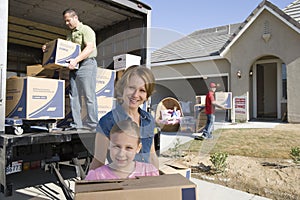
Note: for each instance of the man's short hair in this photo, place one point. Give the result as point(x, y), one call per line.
point(70, 11)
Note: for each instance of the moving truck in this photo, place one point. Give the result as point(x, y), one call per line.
point(121, 27)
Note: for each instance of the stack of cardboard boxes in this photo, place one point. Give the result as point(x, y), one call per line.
point(41, 95)
point(44, 93)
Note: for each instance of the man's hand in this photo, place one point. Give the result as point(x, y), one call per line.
point(44, 47)
point(72, 64)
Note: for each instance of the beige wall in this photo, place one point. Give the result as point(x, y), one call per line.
point(181, 72)
point(202, 68)
point(293, 93)
point(284, 44)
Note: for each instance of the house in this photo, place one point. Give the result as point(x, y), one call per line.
point(258, 58)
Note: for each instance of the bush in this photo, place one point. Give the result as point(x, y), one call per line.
point(219, 161)
point(295, 154)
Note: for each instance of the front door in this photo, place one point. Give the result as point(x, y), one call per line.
point(267, 89)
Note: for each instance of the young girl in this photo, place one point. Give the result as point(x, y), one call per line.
point(124, 144)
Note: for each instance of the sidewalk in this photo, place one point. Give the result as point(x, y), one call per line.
point(207, 190)
point(211, 191)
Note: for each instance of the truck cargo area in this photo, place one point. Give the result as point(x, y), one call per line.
point(121, 28)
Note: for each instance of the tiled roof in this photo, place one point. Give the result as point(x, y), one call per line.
point(213, 41)
point(293, 10)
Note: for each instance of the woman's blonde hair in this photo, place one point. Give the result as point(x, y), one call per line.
point(136, 70)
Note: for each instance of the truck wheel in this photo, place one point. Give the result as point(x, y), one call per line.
point(18, 130)
point(50, 127)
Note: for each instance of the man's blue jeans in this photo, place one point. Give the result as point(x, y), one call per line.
point(209, 125)
point(83, 84)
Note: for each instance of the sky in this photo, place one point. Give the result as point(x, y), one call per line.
point(173, 19)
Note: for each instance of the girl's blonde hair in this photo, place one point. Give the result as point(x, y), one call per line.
point(127, 126)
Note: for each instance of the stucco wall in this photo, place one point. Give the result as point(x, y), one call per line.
point(175, 78)
point(200, 68)
point(293, 92)
point(283, 43)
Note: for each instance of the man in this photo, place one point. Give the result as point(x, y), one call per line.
point(83, 79)
point(210, 104)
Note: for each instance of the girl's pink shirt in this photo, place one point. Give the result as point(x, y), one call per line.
point(104, 172)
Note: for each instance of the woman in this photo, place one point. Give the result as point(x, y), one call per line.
point(131, 91)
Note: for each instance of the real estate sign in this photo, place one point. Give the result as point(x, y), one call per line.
point(240, 108)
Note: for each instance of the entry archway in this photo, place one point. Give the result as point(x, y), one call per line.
point(268, 86)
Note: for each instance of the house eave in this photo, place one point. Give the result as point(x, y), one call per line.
point(186, 60)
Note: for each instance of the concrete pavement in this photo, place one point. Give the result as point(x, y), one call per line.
point(211, 191)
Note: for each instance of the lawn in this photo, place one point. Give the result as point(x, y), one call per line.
point(261, 143)
point(258, 162)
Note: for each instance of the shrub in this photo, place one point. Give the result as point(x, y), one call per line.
point(218, 160)
point(295, 154)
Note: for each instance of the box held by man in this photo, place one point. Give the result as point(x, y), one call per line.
point(58, 53)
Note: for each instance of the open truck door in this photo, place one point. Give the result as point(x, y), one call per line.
point(3, 56)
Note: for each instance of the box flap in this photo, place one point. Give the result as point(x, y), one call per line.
point(97, 186)
point(172, 163)
point(176, 165)
point(167, 180)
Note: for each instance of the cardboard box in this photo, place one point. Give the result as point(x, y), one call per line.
point(119, 74)
point(224, 99)
point(188, 124)
point(105, 82)
point(105, 104)
point(163, 187)
point(39, 71)
point(173, 167)
point(35, 98)
point(58, 52)
point(124, 61)
point(200, 99)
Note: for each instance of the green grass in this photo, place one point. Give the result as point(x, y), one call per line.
point(262, 143)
